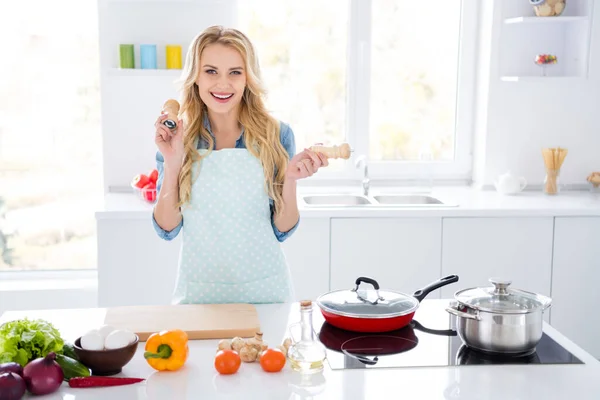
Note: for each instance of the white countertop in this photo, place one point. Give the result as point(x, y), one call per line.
point(199, 380)
point(463, 201)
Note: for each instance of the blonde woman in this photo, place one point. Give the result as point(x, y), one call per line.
point(227, 178)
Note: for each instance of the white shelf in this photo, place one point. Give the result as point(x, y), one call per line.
point(544, 20)
point(202, 3)
point(172, 73)
point(166, 2)
point(539, 78)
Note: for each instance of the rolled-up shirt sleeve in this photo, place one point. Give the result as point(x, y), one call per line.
point(289, 143)
point(163, 234)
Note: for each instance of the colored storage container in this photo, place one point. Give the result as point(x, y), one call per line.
point(126, 56)
point(148, 56)
point(173, 55)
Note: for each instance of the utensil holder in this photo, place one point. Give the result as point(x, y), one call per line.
point(551, 182)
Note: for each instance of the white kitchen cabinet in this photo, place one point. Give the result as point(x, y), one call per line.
point(519, 249)
point(307, 254)
point(399, 253)
point(576, 273)
point(135, 266)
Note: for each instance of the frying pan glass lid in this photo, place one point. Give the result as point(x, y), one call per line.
point(367, 303)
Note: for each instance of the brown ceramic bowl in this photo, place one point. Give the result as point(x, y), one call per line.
point(106, 362)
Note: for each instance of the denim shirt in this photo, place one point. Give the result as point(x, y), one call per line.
point(288, 142)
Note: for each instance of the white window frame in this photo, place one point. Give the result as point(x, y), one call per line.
point(358, 101)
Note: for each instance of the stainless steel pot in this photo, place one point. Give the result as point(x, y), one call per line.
point(498, 319)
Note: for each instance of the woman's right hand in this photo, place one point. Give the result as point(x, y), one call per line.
point(170, 142)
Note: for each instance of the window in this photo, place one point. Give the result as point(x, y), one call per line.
point(50, 144)
point(394, 78)
point(302, 49)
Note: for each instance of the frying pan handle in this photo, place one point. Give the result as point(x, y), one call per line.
point(440, 332)
point(422, 293)
point(366, 280)
point(362, 359)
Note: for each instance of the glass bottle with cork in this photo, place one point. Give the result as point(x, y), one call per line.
point(308, 354)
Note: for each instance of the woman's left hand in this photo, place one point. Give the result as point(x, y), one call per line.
point(305, 164)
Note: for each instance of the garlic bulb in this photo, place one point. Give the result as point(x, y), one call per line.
point(224, 345)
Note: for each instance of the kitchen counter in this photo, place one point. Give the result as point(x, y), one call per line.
point(199, 380)
point(461, 202)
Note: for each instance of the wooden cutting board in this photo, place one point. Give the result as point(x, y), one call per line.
point(199, 321)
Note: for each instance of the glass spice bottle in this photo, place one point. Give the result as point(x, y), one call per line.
point(308, 354)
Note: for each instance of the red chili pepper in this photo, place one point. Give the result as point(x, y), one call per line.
point(100, 381)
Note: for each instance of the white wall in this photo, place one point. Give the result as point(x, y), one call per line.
point(524, 117)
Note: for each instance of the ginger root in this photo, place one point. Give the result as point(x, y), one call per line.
point(285, 346)
point(248, 353)
point(257, 342)
point(237, 343)
point(594, 179)
point(248, 349)
point(287, 343)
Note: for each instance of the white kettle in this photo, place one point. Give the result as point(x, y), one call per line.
point(510, 184)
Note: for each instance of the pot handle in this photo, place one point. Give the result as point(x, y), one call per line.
point(421, 293)
point(375, 286)
point(364, 279)
point(462, 314)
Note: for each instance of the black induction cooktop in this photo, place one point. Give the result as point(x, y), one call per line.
point(430, 340)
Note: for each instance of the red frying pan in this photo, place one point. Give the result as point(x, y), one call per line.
point(374, 310)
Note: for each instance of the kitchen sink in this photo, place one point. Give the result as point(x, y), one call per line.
point(380, 200)
point(408, 199)
point(336, 200)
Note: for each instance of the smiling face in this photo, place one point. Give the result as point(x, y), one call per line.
point(222, 78)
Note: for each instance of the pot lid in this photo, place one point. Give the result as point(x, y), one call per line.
point(499, 298)
point(367, 303)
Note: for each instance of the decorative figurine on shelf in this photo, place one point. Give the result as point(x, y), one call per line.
point(544, 60)
point(548, 8)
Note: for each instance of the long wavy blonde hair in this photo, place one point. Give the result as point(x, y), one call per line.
point(261, 130)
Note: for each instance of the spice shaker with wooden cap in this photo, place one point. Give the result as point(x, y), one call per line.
point(171, 108)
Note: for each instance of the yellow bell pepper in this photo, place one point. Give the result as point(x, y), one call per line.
point(167, 350)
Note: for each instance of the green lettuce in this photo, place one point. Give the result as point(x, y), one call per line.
point(24, 340)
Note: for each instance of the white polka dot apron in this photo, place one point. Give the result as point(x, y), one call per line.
point(229, 252)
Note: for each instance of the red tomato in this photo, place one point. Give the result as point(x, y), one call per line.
point(272, 360)
point(227, 362)
point(140, 180)
point(153, 176)
point(150, 192)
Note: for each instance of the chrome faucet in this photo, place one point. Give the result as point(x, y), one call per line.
point(362, 162)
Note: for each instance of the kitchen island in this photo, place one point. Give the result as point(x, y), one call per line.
point(199, 380)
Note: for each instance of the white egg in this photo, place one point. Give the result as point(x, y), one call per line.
point(118, 338)
point(105, 330)
point(92, 340)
